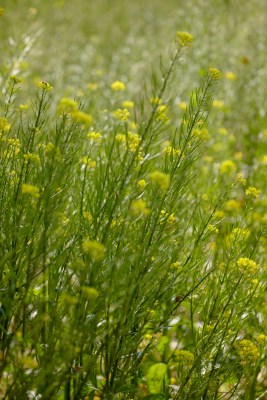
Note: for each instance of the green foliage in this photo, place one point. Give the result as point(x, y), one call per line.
point(132, 203)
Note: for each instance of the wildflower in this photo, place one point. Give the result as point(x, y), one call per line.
point(161, 112)
point(252, 192)
point(215, 73)
point(155, 100)
point(182, 105)
point(122, 115)
point(31, 190)
point(67, 105)
point(2, 11)
point(45, 86)
point(89, 292)
point(246, 265)
point(95, 249)
point(23, 107)
point(247, 352)
point(227, 167)
point(230, 76)
point(141, 184)
point(131, 140)
point(175, 266)
point(262, 339)
point(33, 158)
point(223, 131)
point(240, 179)
point(15, 79)
point(183, 39)
point(219, 214)
point(92, 86)
point(85, 160)
point(212, 228)
point(171, 151)
point(239, 234)
point(184, 357)
point(4, 124)
point(138, 207)
point(201, 133)
point(118, 86)
point(127, 104)
point(232, 205)
point(160, 179)
point(94, 136)
point(82, 117)
point(87, 216)
point(218, 103)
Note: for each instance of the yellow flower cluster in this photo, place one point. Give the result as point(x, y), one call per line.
point(118, 86)
point(247, 266)
point(85, 160)
point(122, 114)
point(127, 104)
point(227, 167)
point(94, 136)
point(31, 190)
point(141, 184)
point(171, 151)
point(202, 134)
point(34, 158)
point(95, 249)
point(247, 351)
point(183, 39)
point(138, 207)
point(4, 124)
point(82, 117)
point(45, 86)
point(130, 140)
point(215, 73)
point(87, 216)
point(253, 192)
point(67, 105)
point(160, 179)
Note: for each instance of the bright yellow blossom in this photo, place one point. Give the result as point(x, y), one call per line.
point(95, 249)
point(122, 115)
point(227, 167)
point(45, 86)
point(183, 39)
point(118, 86)
point(160, 179)
point(127, 104)
point(31, 190)
point(138, 207)
point(246, 265)
point(215, 73)
point(82, 117)
point(247, 352)
point(252, 192)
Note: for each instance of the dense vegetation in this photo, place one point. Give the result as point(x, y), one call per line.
point(133, 145)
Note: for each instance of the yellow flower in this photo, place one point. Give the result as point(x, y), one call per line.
point(4, 124)
point(227, 167)
point(155, 100)
point(246, 266)
point(45, 86)
point(31, 190)
point(67, 105)
point(171, 151)
point(218, 103)
point(92, 86)
point(94, 136)
point(118, 86)
point(253, 192)
point(141, 184)
point(202, 134)
point(122, 115)
point(215, 73)
point(212, 228)
point(160, 179)
point(240, 179)
point(23, 107)
point(230, 76)
point(87, 216)
point(232, 205)
point(127, 104)
point(89, 292)
point(33, 158)
point(182, 105)
point(95, 249)
point(247, 352)
point(88, 162)
point(2, 11)
point(262, 339)
point(223, 131)
point(183, 39)
point(82, 117)
point(138, 207)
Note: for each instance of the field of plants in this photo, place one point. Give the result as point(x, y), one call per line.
point(133, 200)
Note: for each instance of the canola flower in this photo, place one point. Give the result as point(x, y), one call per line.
point(118, 86)
point(247, 266)
point(227, 167)
point(141, 184)
point(253, 192)
point(94, 136)
point(82, 117)
point(247, 352)
point(215, 73)
point(45, 86)
point(160, 179)
point(4, 124)
point(88, 162)
point(138, 207)
point(67, 105)
point(127, 104)
point(122, 115)
point(30, 190)
point(94, 249)
point(183, 39)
